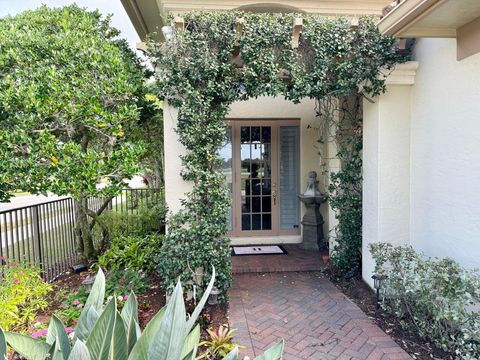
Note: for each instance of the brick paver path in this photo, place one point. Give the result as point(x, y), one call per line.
point(316, 320)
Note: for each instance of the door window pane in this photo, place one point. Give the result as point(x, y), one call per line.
point(256, 177)
point(256, 222)
point(289, 169)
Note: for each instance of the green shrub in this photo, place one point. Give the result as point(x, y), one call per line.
point(22, 294)
point(133, 252)
point(433, 298)
point(146, 219)
point(103, 332)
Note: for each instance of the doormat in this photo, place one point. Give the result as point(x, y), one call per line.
point(258, 250)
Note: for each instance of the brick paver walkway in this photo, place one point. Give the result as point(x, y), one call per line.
point(316, 320)
point(296, 260)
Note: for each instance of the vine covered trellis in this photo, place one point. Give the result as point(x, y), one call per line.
point(222, 57)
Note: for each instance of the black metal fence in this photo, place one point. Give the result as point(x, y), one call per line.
point(43, 234)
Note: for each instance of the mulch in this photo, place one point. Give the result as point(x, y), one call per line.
point(362, 295)
point(149, 301)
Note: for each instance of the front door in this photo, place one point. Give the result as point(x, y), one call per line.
point(263, 177)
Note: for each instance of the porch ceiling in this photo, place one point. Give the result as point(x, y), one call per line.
point(429, 18)
point(149, 15)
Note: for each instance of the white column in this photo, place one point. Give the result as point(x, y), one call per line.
point(175, 186)
point(333, 167)
point(386, 165)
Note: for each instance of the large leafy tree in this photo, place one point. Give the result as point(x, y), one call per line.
point(69, 100)
point(150, 130)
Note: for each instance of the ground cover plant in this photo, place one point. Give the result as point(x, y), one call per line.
point(434, 298)
point(103, 332)
point(22, 294)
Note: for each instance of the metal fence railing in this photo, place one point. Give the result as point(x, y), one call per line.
point(43, 234)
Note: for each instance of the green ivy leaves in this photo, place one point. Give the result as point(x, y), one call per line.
point(196, 74)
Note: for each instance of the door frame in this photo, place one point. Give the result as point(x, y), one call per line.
point(275, 125)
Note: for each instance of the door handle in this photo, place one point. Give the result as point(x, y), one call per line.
point(274, 197)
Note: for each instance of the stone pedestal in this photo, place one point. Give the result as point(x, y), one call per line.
point(312, 222)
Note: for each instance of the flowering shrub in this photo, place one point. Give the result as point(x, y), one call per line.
point(22, 294)
point(435, 298)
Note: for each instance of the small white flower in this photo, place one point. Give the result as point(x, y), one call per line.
point(37, 325)
point(120, 298)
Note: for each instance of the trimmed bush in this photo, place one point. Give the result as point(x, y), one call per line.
point(147, 219)
point(434, 298)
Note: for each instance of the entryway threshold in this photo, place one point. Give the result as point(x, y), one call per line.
point(296, 259)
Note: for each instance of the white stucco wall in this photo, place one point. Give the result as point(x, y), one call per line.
point(445, 151)
point(422, 158)
point(260, 108)
point(386, 170)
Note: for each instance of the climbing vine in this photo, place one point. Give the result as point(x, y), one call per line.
point(216, 60)
point(340, 123)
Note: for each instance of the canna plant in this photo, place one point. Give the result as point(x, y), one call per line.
point(104, 333)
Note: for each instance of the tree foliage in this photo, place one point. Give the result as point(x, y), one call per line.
point(196, 74)
point(69, 91)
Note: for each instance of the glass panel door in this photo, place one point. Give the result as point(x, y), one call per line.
point(264, 157)
point(256, 177)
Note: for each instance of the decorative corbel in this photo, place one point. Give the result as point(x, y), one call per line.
point(284, 75)
point(354, 23)
point(141, 46)
point(179, 23)
point(297, 29)
point(239, 26)
point(402, 44)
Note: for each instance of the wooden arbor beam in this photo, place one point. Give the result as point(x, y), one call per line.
point(297, 29)
point(179, 23)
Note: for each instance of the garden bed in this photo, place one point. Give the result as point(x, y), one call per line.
point(150, 300)
point(361, 294)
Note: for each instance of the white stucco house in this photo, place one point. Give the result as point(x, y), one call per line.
point(421, 138)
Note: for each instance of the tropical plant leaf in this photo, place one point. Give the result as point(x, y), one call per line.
point(29, 348)
point(119, 347)
point(97, 294)
point(201, 304)
point(95, 301)
point(273, 353)
point(193, 354)
point(86, 324)
point(168, 341)
point(57, 335)
point(3, 346)
point(79, 351)
point(140, 350)
point(129, 316)
point(232, 355)
point(191, 341)
point(100, 340)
